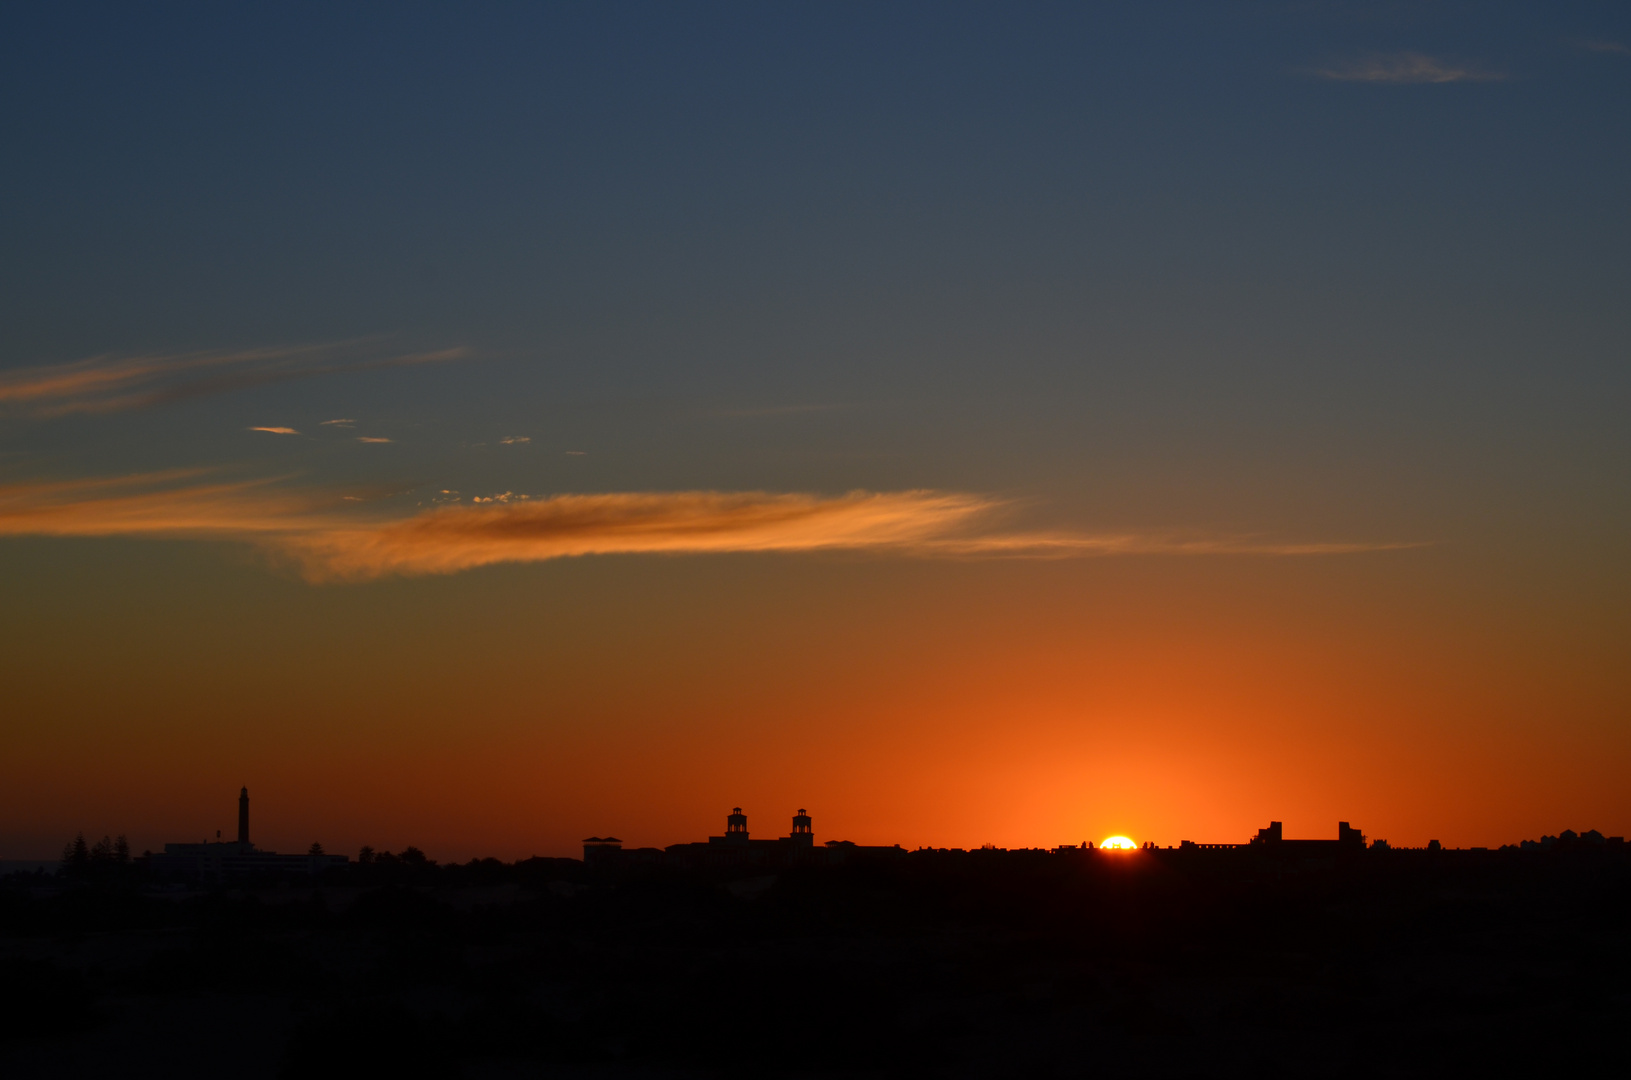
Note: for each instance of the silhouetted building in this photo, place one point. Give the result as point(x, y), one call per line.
point(736, 828)
point(225, 859)
point(737, 846)
point(840, 850)
point(1271, 843)
point(599, 848)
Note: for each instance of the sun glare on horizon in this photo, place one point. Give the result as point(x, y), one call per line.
point(1118, 843)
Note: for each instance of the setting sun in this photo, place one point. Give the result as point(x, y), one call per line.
point(1118, 843)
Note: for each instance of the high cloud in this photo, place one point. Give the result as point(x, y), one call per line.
point(328, 540)
point(1406, 67)
point(690, 522)
point(277, 430)
point(151, 504)
point(105, 384)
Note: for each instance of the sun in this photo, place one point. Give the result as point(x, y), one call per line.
point(1118, 843)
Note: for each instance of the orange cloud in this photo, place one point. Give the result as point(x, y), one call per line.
point(330, 541)
point(104, 384)
point(116, 507)
point(277, 430)
point(1074, 545)
point(690, 522)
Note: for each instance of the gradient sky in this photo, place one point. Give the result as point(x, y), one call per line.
point(1007, 424)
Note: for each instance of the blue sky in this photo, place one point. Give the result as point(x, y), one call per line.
point(979, 238)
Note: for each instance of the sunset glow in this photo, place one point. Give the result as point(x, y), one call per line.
point(647, 538)
point(976, 429)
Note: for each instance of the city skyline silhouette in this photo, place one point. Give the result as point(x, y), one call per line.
point(223, 860)
point(649, 540)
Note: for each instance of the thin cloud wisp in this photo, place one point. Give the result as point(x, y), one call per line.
point(330, 538)
point(1405, 68)
point(144, 505)
point(109, 384)
point(695, 522)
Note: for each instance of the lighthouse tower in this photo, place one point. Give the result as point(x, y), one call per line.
point(243, 816)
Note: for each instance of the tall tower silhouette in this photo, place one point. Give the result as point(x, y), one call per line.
point(736, 826)
point(243, 816)
point(802, 836)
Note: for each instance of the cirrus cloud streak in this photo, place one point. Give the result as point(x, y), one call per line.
point(108, 384)
point(1406, 67)
point(328, 540)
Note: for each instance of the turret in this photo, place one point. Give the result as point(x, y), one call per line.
point(802, 836)
point(736, 826)
point(243, 816)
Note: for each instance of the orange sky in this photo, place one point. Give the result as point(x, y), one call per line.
point(483, 430)
point(513, 711)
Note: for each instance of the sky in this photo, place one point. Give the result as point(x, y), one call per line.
point(486, 426)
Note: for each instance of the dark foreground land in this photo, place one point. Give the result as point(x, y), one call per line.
point(958, 965)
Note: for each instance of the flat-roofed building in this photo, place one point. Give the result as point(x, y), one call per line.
point(223, 859)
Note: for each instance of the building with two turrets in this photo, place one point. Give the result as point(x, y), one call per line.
point(735, 848)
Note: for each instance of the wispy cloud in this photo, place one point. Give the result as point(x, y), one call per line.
point(330, 541)
point(372, 439)
point(1075, 545)
point(456, 538)
point(277, 430)
point(515, 440)
point(1406, 67)
point(106, 384)
point(336, 423)
point(150, 504)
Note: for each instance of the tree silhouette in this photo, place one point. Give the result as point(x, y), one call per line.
point(76, 857)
